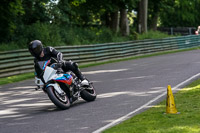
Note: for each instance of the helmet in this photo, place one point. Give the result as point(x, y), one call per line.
point(35, 48)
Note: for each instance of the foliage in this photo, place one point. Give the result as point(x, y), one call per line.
point(59, 22)
point(184, 12)
point(153, 35)
point(154, 8)
point(47, 33)
point(9, 11)
point(35, 10)
point(53, 35)
point(96, 10)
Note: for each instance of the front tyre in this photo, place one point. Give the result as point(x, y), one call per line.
point(61, 102)
point(88, 94)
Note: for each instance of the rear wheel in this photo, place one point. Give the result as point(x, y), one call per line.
point(61, 102)
point(88, 94)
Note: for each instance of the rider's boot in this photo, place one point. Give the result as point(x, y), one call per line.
point(84, 83)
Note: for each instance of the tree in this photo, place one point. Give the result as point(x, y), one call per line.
point(114, 21)
point(35, 10)
point(124, 26)
point(184, 12)
point(125, 6)
point(142, 16)
point(154, 8)
point(9, 12)
point(110, 13)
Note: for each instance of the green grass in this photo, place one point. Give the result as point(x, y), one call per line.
point(25, 76)
point(153, 35)
point(155, 121)
point(16, 78)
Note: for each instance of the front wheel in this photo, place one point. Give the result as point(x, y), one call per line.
point(88, 94)
point(61, 102)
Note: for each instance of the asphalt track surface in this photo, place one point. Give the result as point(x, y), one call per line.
point(121, 87)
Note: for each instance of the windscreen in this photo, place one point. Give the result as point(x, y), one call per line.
point(40, 66)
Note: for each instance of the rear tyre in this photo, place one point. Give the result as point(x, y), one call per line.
point(88, 94)
point(61, 102)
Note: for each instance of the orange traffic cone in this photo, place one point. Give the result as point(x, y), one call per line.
point(170, 104)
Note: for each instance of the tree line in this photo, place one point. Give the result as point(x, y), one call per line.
point(120, 16)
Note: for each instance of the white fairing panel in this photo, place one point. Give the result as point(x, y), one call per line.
point(38, 81)
point(57, 88)
point(49, 72)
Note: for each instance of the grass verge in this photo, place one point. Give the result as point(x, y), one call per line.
point(21, 77)
point(155, 121)
point(16, 78)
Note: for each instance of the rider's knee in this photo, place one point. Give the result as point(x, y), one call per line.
point(71, 65)
point(74, 64)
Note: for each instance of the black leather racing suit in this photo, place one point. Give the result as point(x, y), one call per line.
point(50, 52)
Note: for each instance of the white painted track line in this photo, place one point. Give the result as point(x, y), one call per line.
point(125, 117)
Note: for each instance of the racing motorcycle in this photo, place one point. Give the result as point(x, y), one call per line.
point(62, 88)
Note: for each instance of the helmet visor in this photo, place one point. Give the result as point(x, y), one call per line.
point(36, 51)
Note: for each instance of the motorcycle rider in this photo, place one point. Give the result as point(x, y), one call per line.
point(42, 54)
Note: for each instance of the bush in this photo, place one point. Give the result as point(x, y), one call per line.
point(47, 33)
point(77, 36)
point(89, 35)
point(9, 46)
point(153, 35)
point(54, 35)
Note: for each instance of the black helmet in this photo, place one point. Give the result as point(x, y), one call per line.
point(35, 48)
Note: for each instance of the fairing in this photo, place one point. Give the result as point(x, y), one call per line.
point(64, 78)
point(48, 73)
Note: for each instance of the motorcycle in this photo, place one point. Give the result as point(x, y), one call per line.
point(62, 88)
